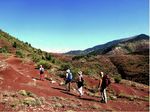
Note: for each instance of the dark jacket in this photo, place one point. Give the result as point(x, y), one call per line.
point(104, 82)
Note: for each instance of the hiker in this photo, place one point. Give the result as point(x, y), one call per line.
point(41, 73)
point(68, 79)
point(103, 84)
point(80, 82)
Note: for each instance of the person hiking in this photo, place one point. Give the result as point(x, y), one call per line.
point(103, 84)
point(41, 69)
point(80, 82)
point(68, 79)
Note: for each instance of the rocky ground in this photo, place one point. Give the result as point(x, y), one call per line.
point(21, 90)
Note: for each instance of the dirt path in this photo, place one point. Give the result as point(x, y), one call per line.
point(19, 75)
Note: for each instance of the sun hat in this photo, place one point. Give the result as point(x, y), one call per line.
point(68, 70)
point(80, 72)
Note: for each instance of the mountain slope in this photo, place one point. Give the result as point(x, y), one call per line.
point(135, 44)
point(105, 48)
point(13, 46)
point(21, 89)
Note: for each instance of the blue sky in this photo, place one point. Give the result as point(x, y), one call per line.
point(63, 25)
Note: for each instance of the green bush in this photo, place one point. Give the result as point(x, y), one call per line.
point(89, 72)
point(53, 61)
point(78, 57)
point(14, 45)
point(117, 79)
point(44, 63)
point(65, 66)
point(39, 51)
point(19, 54)
point(75, 72)
point(4, 49)
point(48, 56)
point(36, 58)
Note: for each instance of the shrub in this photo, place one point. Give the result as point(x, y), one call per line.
point(117, 79)
point(65, 66)
point(45, 64)
point(39, 51)
point(53, 61)
point(29, 101)
point(36, 58)
point(23, 92)
point(48, 56)
point(129, 97)
point(4, 49)
point(75, 72)
point(19, 54)
point(77, 57)
point(14, 45)
point(89, 71)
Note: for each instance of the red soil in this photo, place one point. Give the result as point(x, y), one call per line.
point(19, 75)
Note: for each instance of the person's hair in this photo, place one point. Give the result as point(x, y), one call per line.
point(101, 74)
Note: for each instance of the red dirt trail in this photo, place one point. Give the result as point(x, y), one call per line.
point(19, 74)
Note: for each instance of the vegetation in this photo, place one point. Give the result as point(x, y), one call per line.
point(45, 64)
point(78, 57)
point(48, 56)
point(4, 49)
point(19, 54)
point(65, 66)
point(117, 79)
point(127, 66)
point(14, 45)
point(35, 58)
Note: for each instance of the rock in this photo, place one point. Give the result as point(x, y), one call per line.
point(53, 82)
point(34, 82)
point(113, 97)
point(61, 83)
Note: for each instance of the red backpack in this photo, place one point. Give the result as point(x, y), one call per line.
point(107, 80)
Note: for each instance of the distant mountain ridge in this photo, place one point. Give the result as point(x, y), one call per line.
point(109, 46)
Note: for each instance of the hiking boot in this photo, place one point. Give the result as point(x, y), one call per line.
point(102, 101)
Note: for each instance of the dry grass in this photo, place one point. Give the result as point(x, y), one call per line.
point(132, 97)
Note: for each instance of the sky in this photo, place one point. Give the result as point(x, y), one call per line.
point(64, 25)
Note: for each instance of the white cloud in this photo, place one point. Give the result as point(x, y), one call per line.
point(62, 50)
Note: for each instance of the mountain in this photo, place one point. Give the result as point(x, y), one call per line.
point(139, 40)
point(21, 89)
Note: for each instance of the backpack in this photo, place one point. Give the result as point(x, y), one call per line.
point(107, 81)
point(82, 80)
point(69, 76)
point(41, 70)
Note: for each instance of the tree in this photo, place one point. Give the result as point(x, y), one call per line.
point(14, 45)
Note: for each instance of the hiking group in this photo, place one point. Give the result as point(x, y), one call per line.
point(104, 82)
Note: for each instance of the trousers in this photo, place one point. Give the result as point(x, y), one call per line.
point(104, 95)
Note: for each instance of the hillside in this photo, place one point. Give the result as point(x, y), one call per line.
point(21, 89)
point(10, 45)
point(123, 46)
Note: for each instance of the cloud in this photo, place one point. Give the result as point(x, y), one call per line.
point(62, 50)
